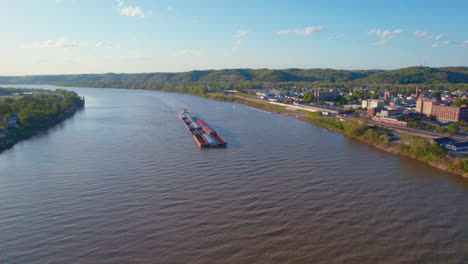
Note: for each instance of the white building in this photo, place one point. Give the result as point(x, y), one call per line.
point(372, 103)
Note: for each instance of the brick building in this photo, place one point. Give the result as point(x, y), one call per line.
point(390, 121)
point(325, 96)
point(425, 106)
point(443, 113)
point(450, 113)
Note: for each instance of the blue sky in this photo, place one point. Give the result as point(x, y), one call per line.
point(91, 36)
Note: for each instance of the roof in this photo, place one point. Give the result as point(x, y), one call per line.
point(460, 144)
point(442, 140)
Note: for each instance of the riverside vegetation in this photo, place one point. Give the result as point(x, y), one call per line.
point(411, 146)
point(23, 116)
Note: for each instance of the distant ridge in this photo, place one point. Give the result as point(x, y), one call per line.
point(410, 75)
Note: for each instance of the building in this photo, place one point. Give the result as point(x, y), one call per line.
point(390, 121)
point(372, 103)
point(325, 96)
point(262, 95)
point(276, 93)
point(374, 111)
point(425, 106)
point(459, 146)
point(416, 94)
point(229, 92)
point(444, 141)
point(450, 113)
point(351, 106)
point(390, 112)
point(386, 96)
point(13, 122)
point(443, 113)
point(276, 99)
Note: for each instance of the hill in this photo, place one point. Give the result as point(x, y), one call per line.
point(422, 75)
point(252, 77)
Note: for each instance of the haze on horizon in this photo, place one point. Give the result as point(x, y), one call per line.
point(71, 37)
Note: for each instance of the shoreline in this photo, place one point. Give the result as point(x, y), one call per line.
point(444, 166)
point(30, 132)
point(393, 148)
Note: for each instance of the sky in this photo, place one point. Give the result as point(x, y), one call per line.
point(131, 36)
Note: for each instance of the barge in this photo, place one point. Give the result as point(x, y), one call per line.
point(202, 133)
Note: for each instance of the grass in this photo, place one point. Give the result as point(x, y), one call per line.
point(262, 105)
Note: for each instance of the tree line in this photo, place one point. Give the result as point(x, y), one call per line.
point(41, 109)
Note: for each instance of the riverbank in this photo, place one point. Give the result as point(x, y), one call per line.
point(23, 132)
point(24, 117)
point(409, 146)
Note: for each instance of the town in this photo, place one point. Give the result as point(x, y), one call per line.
point(440, 115)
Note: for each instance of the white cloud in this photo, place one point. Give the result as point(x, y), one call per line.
point(381, 43)
point(107, 44)
point(421, 34)
point(335, 35)
point(187, 52)
point(301, 32)
point(463, 44)
point(131, 11)
point(386, 33)
point(242, 33)
point(56, 43)
point(427, 35)
point(438, 37)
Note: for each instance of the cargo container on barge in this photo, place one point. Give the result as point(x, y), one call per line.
point(202, 133)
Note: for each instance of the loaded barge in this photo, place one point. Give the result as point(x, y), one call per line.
point(202, 133)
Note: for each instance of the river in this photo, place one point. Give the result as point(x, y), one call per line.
point(122, 181)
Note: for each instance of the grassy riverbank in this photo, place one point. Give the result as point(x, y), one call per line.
point(250, 102)
point(409, 145)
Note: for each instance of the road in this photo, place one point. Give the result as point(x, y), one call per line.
point(419, 132)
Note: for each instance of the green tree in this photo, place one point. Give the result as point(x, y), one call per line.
point(3, 125)
point(309, 97)
point(341, 100)
point(5, 108)
point(414, 124)
point(460, 102)
point(452, 129)
point(34, 118)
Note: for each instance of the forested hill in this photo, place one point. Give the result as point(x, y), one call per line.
point(247, 77)
point(424, 75)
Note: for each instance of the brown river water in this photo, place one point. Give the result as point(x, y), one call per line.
point(123, 182)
